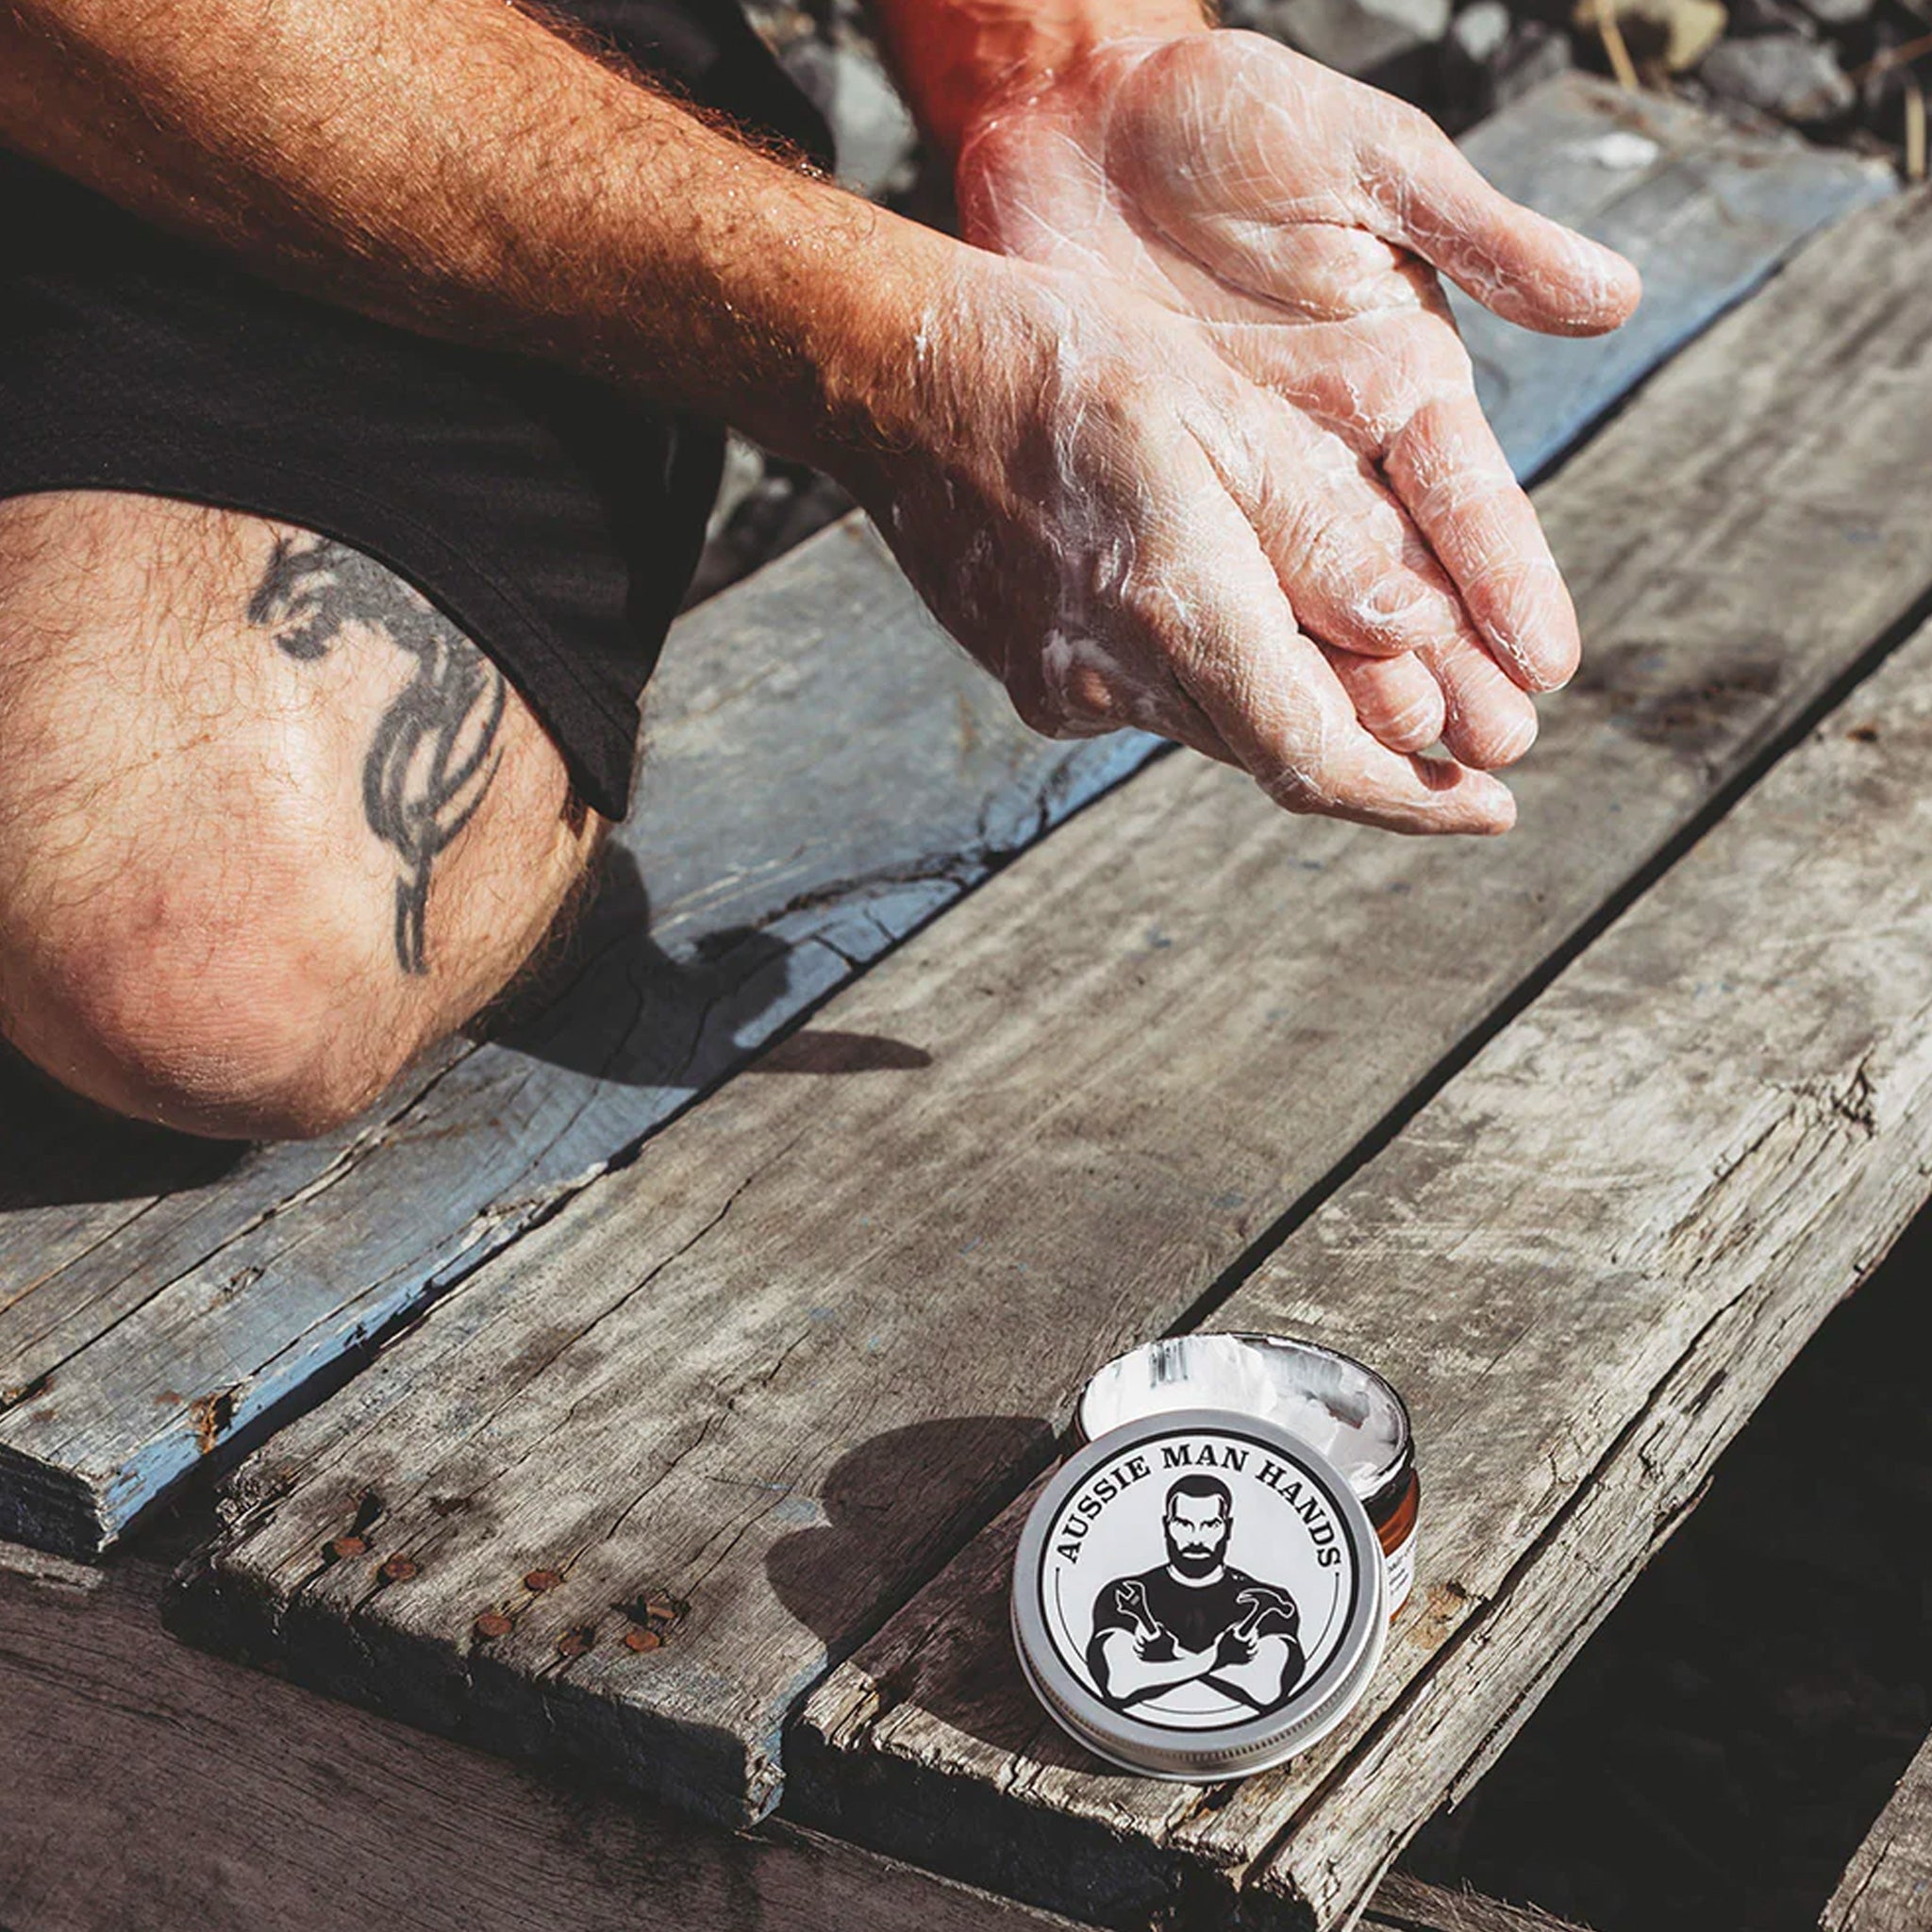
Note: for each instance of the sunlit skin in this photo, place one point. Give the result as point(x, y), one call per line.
point(1178, 437)
point(1189, 432)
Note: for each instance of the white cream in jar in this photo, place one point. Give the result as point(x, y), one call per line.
point(1337, 1405)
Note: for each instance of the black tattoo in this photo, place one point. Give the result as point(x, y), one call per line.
point(435, 750)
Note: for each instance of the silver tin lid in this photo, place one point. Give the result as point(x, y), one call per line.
point(1198, 1595)
point(1337, 1405)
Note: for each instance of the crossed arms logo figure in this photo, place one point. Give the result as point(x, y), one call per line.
point(1195, 1619)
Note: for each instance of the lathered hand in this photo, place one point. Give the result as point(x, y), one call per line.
point(1105, 510)
point(1292, 221)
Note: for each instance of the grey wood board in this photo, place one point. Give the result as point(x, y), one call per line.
point(145, 1787)
point(776, 1370)
point(1585, 1262)
point(1887, 1885)
point(822, 775)
point(148, 1787)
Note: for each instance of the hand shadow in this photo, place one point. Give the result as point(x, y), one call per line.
point(896, 1508)
point(603, 998)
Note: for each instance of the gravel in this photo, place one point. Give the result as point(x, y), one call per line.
point(1786, 76)
point(1359, 36)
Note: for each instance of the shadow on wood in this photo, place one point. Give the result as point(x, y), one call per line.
point(545, 1015)
point(58, 1151)
point(873, 1500)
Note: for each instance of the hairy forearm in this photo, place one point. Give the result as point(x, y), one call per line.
point(462, 170)
point(954, 57)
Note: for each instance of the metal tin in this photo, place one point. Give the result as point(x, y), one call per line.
point(1198, 1594)
point(1337, 1405)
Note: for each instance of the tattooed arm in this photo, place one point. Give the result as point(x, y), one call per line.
point(1123, 525)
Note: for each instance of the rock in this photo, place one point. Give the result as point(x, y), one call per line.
point(1796, 79)
point(1479, 31)
point(783, 506)
point(1676, 34)
point(743, 471)
point(1622, 150)
point(1464, 86)
point(1753, 17)
point(1535, 51)
point(1359, 36)
point(871, 126)
point(1839, 13)
point(1489, 58)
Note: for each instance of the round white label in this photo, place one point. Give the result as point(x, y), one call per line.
point(1197, 1578)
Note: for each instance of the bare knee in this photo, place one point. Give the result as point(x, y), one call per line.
point(194, 1017)
point(269, 825)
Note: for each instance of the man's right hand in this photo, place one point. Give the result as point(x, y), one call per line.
point(1103, 511)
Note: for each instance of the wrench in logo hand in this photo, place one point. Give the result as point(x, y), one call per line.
point(1130, 1598)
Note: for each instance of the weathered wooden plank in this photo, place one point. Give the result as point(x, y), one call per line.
point(770, 1373)
point(820, 778)
point(1585, 1261)
point(145, 1787)
point(1887, 1885)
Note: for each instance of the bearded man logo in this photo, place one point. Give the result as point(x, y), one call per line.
point(1195, 1619)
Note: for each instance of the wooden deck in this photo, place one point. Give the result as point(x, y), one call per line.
point(169, 1789)
point(822, 776)
point(1576, 1133)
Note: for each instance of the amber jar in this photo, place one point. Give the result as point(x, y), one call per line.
point(1394, 1510)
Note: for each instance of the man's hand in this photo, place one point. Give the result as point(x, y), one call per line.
point(1102, 482)
point(1232, 1650)
point(1104, 510)
point(1291, 220)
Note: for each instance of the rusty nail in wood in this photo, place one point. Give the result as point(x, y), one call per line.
point(399, 1570)
point(643, 1639)
point(492, 1623)
point(660, 1609)
point(574, 1643)
point(349, 1546)
point(543, 1579)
